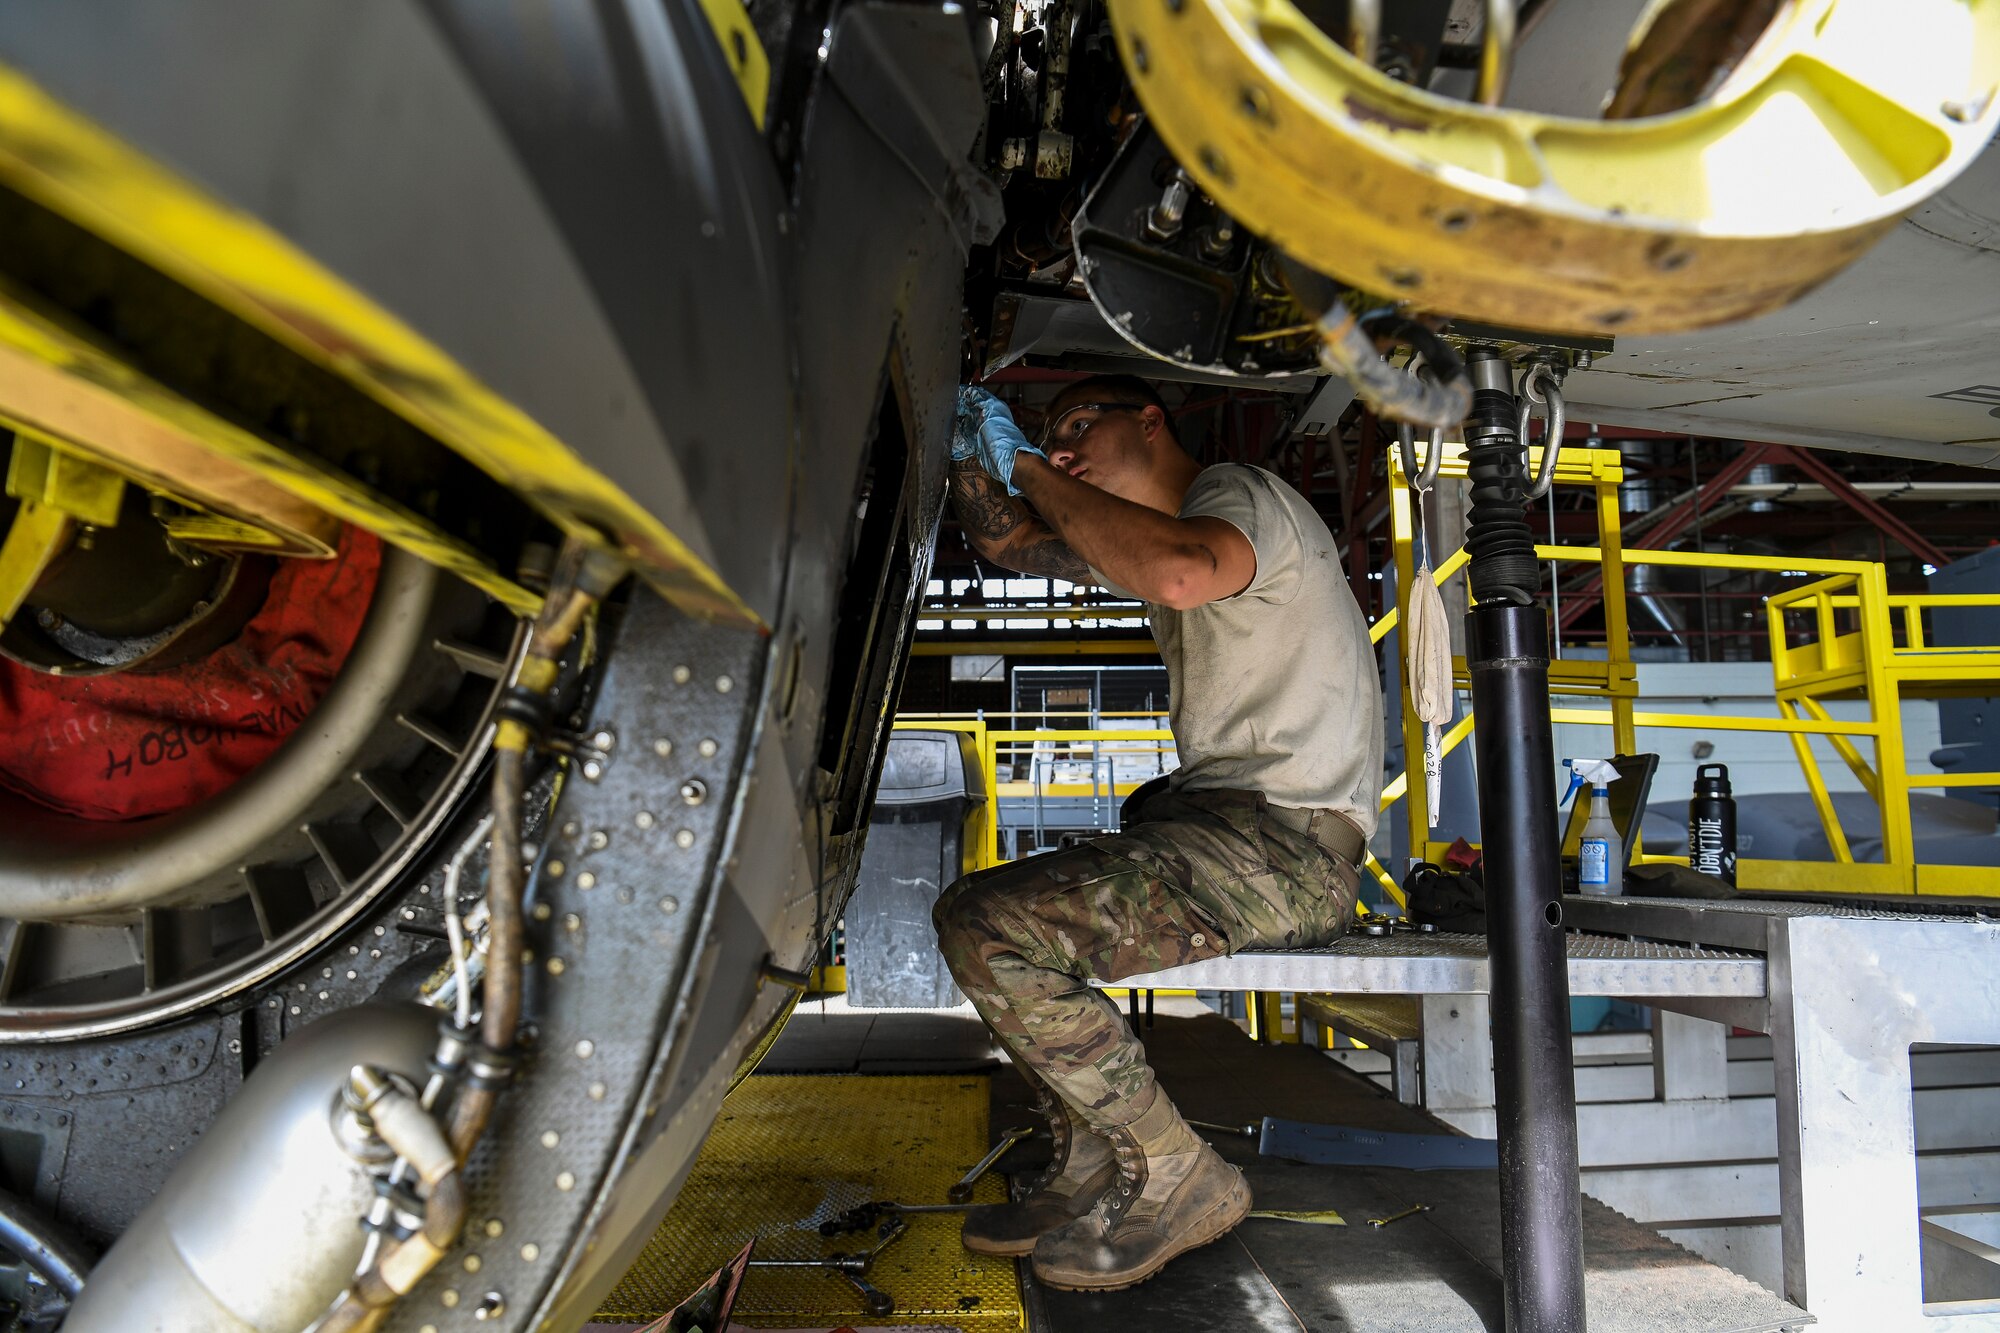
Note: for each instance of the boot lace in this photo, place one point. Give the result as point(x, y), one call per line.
point(1131, 1160)
point(1059, 1132)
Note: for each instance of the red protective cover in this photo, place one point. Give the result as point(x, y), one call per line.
point(129, 745)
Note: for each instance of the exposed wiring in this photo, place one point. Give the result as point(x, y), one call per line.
point(454, 929)
point(1347, 348)
point(1269, 335)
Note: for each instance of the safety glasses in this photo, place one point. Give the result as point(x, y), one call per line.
point(1069, 427)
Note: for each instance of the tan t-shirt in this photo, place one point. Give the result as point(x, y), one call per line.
point(1275, 689)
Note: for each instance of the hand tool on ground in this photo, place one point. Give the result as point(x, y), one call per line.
point(865, 1215)
point(962, 1191)
point(1379, 1222)
point(1238, 1131)
point(854, 1267)
point(1380, 924)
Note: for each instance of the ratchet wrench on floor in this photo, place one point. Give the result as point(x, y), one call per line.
point(962, 1191)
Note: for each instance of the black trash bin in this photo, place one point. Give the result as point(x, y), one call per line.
point(921, 837)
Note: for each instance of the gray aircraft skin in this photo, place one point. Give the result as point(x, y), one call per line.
point(756, 333)
point(758, 343)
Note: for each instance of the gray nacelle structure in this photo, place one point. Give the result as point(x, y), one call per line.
point(755, 334)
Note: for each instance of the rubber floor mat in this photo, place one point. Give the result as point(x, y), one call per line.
point(791, 1151)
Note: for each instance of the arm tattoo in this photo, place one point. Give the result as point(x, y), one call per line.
point(1019, 539)
point(1051, 558)
point(983, 506)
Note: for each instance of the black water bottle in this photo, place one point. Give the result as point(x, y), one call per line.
point(1712, 824)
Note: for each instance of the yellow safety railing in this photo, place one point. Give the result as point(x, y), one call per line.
point(992, 743)
point(1864, 644)
point(1863, 662)
point(1853, 652)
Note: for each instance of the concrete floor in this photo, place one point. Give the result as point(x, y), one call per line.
point(1435, 1273)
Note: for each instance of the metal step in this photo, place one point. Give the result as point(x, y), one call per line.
point(1391, 1024)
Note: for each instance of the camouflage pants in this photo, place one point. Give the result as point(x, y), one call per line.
point(1196, 875)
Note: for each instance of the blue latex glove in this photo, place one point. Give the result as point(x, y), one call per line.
point(985, 430)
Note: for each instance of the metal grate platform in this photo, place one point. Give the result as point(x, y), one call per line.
point(1732, 923)
point(790, 1151)
point(1444, 964)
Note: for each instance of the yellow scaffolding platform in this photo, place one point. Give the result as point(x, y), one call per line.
point(1853, 652)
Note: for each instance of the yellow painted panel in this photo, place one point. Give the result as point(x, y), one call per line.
point(1823, 877)
point(68, 164)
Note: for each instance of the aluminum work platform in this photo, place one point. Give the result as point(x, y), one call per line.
point(1445, 964)
point(1844, 993)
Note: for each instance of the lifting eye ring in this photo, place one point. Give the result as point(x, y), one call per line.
point(1406, 443)
point(1555, 420)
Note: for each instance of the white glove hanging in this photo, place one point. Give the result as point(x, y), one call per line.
point(1427, 631)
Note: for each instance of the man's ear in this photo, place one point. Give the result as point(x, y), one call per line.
point(1153, 419)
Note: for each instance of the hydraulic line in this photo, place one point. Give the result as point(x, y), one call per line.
point(582, 578)
point(45, 1247)
point(1347, 348)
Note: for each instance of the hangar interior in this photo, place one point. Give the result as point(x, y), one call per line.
point(516, 612)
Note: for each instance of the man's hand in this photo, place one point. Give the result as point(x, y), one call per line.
point(985, 430)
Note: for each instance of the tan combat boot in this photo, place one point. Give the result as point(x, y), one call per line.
point(1079, 1172)
point(1174, 1192)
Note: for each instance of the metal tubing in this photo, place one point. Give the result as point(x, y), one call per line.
point(46, 1248)
point(1541, 1222)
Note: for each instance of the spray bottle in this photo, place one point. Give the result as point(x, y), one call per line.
point(1601, 854)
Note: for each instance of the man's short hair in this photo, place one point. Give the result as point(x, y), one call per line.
point(1117, 389)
